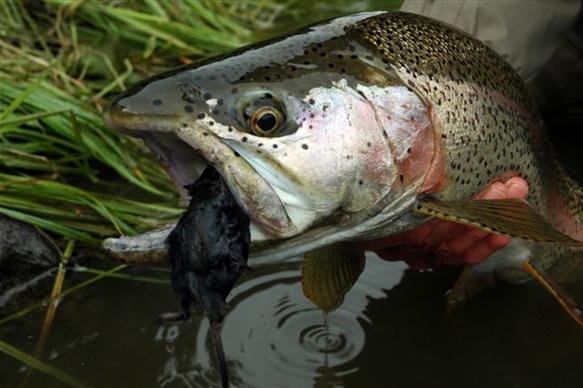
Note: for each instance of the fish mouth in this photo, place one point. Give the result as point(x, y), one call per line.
point(185, 150)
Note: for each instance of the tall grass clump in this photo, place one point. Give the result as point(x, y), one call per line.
point(60, 61)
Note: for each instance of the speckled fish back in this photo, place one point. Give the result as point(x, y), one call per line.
point(480, 107)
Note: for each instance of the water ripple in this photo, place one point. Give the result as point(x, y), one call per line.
point(279, 338)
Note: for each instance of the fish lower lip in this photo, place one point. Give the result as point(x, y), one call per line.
point(185, 155)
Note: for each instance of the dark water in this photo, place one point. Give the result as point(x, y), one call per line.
point(389, 333)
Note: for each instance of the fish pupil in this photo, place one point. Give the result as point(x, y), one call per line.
point(267, 122)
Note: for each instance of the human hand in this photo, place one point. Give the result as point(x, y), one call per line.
point(448, 243)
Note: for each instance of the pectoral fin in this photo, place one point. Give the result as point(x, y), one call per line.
point(564, 299)
point(328, 274)
point(510, 217)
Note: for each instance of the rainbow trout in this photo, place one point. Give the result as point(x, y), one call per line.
point(359, 128)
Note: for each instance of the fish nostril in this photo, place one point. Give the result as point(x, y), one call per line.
point(116, 116)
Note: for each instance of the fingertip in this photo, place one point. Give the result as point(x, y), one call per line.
point(517, 187)
point(496, 190)
point(477, 254)
point(470, 236)
point(496, 241)
point(485, 248)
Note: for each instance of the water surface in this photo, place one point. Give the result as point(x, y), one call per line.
point(390, 332)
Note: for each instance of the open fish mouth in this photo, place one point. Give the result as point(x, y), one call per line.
point(184, 150)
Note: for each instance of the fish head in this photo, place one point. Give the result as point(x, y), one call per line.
point(312, 138)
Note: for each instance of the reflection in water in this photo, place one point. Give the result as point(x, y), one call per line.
point(289, 342)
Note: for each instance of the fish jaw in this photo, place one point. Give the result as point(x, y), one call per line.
point(254, 194)
point(196, 146)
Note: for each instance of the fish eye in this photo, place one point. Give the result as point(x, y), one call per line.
point(266, 120)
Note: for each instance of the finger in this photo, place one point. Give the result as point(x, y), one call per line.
point(517, 187)
point(484, 248)
point(454, 239)
point(443, 231)
point(496, 190)
point(514, 187)
point(463, 241)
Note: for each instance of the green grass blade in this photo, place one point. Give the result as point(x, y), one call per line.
point(41, 366)
point(36, 305)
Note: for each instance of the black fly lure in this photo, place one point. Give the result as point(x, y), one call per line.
point(208, 251)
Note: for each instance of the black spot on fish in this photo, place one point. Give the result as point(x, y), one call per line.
point(230, 129)
point(360, 182)
point(275, 146)
point(157, 102)
point(244, 139)
point(312, 101)
point(305, 146)
point(207, 96)
point(236, 154)
point(201, 115)
point(188, 108)
point(211, 123)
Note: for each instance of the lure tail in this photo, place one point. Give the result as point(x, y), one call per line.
point(215, 329)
